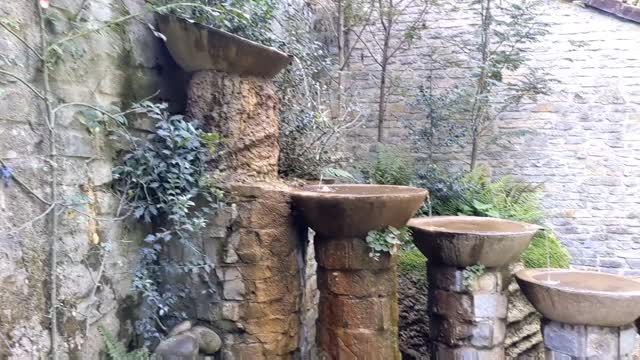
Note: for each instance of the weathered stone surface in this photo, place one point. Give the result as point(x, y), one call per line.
point(244, 111)
point(181, 346)
point(208, 341)
point(586, 341)
point(348, 254)
point(259, 301)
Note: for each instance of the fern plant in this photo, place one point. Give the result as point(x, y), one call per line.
point(474, 193)
point(117, 351)
point(391, 167)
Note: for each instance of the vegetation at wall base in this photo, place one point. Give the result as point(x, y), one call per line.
point(390, 167)
point(474, 193)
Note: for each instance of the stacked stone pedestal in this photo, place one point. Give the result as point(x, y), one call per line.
point(582, 342)
point(358, 309)
point(467, 313)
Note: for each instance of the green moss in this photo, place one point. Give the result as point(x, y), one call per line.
point(536, 254)
point(412, 262)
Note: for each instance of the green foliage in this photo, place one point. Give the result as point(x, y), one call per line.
point(471, 273)
point(117, 351)
point(390, 241)
point(311, 117)
point(161, 179)
point(474, 193)
point(536, 254)
point(250, 19)
point(391, 167)
point(411, 261)
point(339, 174)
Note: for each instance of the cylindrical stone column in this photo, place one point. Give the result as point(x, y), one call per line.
point(244, 110)
point(358, 309)
point(578, 342)
point(467, 313)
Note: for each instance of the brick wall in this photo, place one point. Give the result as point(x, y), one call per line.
point(582, 141)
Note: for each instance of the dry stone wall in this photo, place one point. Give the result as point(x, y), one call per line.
point(108, 70)
point(581, 142)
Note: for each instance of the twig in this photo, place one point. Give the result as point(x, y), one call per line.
point(25, 186)
point(23, 41)
point(24, 82)
point(31, 221)
point(53, 256)
point(6, 342)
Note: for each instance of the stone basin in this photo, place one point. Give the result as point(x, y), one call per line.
point(462, 241)
point(354, 210)
point(198, 47)
point(581, 297)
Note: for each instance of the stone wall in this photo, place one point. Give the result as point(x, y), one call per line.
point(109, 70)
point(581, 142)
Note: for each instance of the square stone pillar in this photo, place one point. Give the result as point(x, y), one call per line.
point(582, 342)
point(467, 317)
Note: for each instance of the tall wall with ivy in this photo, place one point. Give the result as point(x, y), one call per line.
point(581, 141)
point(109, 70)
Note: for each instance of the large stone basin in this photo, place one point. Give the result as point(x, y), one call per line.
point(462, 241)
point(198, 47)
point(581, 297)
point(354, 210)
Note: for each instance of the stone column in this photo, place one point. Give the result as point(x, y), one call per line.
point(244, 110)
point(467, 313)
point(358, 309)
point(578, 342)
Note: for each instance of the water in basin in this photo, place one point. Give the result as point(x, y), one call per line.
point(473, 225)
point(588, 281)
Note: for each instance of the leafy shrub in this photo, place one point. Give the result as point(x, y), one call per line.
point(250, 19)
point(390, 240)
point(412, 261)
point(391, 167)
point(161, 179)
point(475, 193)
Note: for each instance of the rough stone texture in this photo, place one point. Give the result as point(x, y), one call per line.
point(464, 320)
point(414, 319)
point(244, 111)
point(523, 339)
point(582, 142)
point(563, 341)
point(105, 70)
point(257, 249)
point(358, 308)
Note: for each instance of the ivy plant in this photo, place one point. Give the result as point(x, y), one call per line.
point(471, 273)
point(390, 240)
point(161, 179)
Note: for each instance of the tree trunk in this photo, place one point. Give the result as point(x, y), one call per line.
point(382, 101)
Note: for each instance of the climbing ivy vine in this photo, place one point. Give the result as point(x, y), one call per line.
point(161, 179)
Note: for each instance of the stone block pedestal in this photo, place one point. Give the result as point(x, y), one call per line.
point(582, 342)
point(358, 309)
point(467, 317)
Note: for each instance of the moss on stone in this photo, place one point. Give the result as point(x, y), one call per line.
point(412, 262)
point(536, 254)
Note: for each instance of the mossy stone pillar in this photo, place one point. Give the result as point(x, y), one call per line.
point(358, 309)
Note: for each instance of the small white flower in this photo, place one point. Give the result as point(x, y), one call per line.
point(44, 4)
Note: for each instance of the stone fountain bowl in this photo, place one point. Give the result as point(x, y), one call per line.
point(354, 210)
point(198, 47)
point(581, 297)
point(468, 240)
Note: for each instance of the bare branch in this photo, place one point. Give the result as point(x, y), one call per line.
point(22, 40)
point(24, 82)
